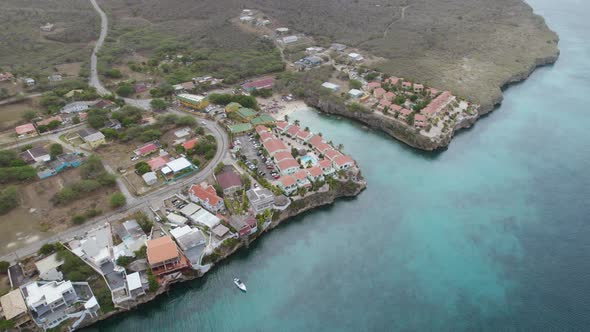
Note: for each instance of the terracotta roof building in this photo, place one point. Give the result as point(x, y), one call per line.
point(163, 256)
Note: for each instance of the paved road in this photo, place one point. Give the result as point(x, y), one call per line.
point(104, 26)
point(155, 198)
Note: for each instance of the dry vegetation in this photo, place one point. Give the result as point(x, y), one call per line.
point(470, 47)
point(26, 49)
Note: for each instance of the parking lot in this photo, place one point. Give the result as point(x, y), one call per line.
point(250, 149)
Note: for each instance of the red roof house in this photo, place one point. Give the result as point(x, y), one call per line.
point(206, 196)
point(25, 129)
point(263, 83)
point(158, 162)
point(189, 144)
point(437, 104)
point(282, 125)
point(343, 162)
point(274, 145)
point(419, 120)
point(373, 85)
point(279, 156)
point(293, 130)
point(146, 149)
point(378, 93)
point(265, 136)
point(288, 166)
point(332, 154)
point(261, 129)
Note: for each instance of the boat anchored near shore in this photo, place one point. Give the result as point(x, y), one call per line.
point(240, 284)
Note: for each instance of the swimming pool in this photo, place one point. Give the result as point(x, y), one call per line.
point(308, 159)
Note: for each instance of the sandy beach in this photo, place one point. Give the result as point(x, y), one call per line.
point(277, 107)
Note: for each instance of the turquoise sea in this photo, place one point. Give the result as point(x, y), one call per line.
point(492, 234)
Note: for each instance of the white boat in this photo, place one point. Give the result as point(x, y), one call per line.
point(240, 284)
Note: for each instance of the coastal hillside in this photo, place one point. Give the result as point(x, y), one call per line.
point(470, 47)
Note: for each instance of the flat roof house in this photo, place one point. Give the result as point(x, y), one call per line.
point(150, 178)
point(47, 268)
point(355, 93)
point(261, 199)
point(220, 231)
point(92, 137)
point(229, 181)
point(240, 225)
point(331, 86)
point(75, 107)
point(191, 242)
point(163, 256)
point(50, 302)
point(177, 167)
point(207, 197)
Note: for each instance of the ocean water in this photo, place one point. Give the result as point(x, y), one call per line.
point(491, 235)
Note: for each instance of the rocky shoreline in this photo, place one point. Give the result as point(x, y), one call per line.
point(407, 134)
point(311, 201)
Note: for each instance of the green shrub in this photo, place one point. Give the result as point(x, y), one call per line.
point(117, 200)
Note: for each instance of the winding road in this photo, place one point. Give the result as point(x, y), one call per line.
point(154, 199)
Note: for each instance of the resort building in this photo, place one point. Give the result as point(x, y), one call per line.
point(288, 166)
point(273, 146)
point(282, 126)
point(343, 162)
point(288, 184)
point(315, 173)
point(437, 104)
point(327, 168)
point(301, 177)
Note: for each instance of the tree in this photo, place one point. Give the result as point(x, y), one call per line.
point(219, 167)
point(4, 265)
point(124, 260)
point(124, 90)
point(354, 84)
point(96, 118)
point(246, 181)
point(8, 199)
point(142, 167)
point(78, 219)
point(55, 150)
point(76, 119)
point(158, 104)
point(47, 248)
point(53, 124)
point(152, 282)
point(113, 73)
point(117, 200)
point(29, 115)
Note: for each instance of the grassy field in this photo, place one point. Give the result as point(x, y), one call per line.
point(27, 50)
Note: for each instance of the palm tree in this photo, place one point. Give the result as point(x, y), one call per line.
point(306, 129)
point(297, 122)
point(286, 118)
point(340, 146)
